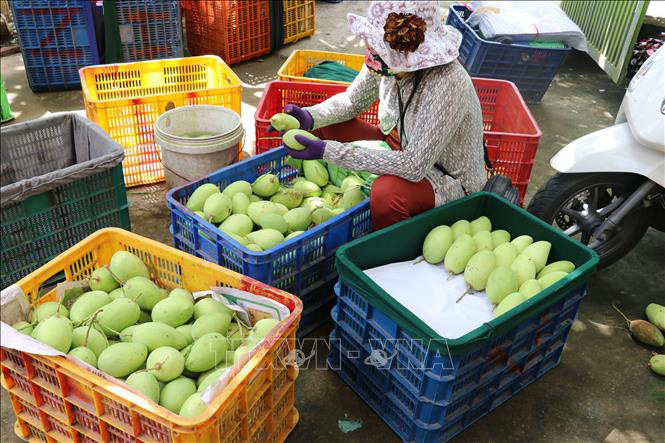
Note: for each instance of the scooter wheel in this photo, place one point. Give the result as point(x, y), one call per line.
point(574, 203)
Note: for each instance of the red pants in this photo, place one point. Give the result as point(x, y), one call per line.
point(392, 198)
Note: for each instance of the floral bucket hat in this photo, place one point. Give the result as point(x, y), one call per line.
point(439, 46)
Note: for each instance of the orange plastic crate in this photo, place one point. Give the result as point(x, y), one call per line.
point(125, 99)
point(299, 19)
point(56, 400)
point(233, 29)
point(301, 60)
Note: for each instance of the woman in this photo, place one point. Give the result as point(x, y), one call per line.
point(429, 114)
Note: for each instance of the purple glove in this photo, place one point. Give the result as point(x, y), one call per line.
point(303, 116)
point(313, 149)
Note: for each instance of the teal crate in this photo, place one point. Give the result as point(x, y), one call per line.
point(61, 181)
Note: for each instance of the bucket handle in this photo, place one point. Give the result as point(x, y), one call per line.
point(235, 159)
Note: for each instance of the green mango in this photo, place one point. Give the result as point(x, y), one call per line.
point(175, 392)
point(288, 197)
point(501, 283)
point(499, 237)
point(524, 268)
point(193, 406)
point(238, 224)
point(84, 354)
point(239, 203)
point(561, 265)
point(315, 172)
point(321, 215)
point(530, 288)
point(657, 364)
point(49, 309)
point(200, 195)
point(284, 122)
point(56, 332)
point(266, 185)
point(511, 301)
point(459, 253)
point(121, 359)
point(436, 244)
point(461, 227)
point(307, 188)
point(217, 208)
point(266, 238)
point(165, 363)
point(538, 252)
point(102, 280)
point(478, 269)
point(274, 221)
point(483, 240)
point(144, 292)
point(145, 383)
point(289, 138)
point(551, 278)
point(656, 314)
point(238, 187)
point(87, 304)
point(522, 242)
point(298, 219)
point(482, 223)
point(125, 265)
point(23, 327)
point(505, 254)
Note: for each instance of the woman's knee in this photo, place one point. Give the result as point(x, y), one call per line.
point(387, 200)
point(386, 190)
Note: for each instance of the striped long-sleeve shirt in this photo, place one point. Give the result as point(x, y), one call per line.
point(442, 125)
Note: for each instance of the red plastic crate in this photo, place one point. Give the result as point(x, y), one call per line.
point(278, 94)
point(233, 30)
point(510, 131)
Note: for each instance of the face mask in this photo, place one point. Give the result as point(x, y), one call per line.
point(376, 64)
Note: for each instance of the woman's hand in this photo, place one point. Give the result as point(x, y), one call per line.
point(303, 116)
point(314, 149)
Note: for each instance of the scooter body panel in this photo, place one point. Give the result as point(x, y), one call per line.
point(612, 149)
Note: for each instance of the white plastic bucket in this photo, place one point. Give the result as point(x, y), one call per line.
point(197, 140)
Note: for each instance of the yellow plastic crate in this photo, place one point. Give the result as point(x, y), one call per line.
point(125, 99)
point(299, 19)
point(56, 400)
point(301, 60)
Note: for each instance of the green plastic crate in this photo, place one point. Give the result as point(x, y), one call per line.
point(62, 180)
point(404, 240)
point(5, 110)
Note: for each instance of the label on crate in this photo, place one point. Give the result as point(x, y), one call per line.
point(14, 308)
point(14, 305)
point(249, 309)
point(126, 33)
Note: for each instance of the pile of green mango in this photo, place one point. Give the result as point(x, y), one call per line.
point(265, 213)
point(161, 343)
point(510, 271)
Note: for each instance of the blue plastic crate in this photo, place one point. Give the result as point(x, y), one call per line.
point(149, 29)
point(299, 266)
point(57, 38)
point(316, 309)
point(438, 401)
point(530, 68)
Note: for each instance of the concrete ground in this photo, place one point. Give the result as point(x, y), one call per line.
point(602, 390)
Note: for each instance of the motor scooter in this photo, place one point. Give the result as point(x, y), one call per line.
point(610, 184)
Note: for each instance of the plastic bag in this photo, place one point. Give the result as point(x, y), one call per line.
point(525, 21)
